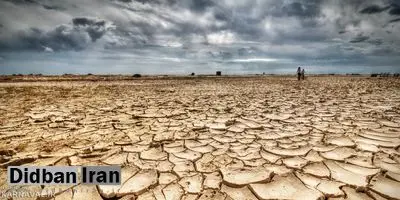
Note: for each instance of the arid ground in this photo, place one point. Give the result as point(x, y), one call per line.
point(209, 137)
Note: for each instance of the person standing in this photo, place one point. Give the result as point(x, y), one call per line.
point(302, 74)
point(298, 73)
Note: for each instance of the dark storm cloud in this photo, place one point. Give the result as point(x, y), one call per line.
point(304, 9)
point(22, 1)
point(204, 31)
point(61, 38)
point(376, 41)
point(50, 7)
point(142, 1)
point(373, 9)
point(395, 11)
point(95, 28)
point(360, 38)
point(200, 5)
point(394, 20)
point(45, 5)
point(75, 36)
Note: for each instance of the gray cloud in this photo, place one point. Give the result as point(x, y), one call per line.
point(395, 11)
point(394, 20)
point(76, 36)
point(204, 31)
point(376, 41)
point(360, 38)
point(22, 1)
point(373, 9)
point(95, 28)
point(302, 9)
point(200, 5)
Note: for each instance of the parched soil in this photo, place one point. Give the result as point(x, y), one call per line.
point(211, 137)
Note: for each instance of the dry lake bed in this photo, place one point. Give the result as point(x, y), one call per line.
point(208, 137)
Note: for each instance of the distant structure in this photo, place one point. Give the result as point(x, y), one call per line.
point(219, 73)
point(384, 75)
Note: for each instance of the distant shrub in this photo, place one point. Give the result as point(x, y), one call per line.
point(89, 74)
point(192, 74)
point(5, 78)
point(137, 75)
point(385, 74)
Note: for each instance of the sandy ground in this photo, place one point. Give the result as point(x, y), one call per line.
point(210, 138)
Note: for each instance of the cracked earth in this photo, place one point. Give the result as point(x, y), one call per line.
point(210, 138)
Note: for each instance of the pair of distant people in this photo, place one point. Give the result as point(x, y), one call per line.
point(300, 74)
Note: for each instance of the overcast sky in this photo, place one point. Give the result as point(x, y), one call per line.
point(201, 36)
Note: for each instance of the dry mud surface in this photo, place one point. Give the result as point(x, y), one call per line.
point(210, 138)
